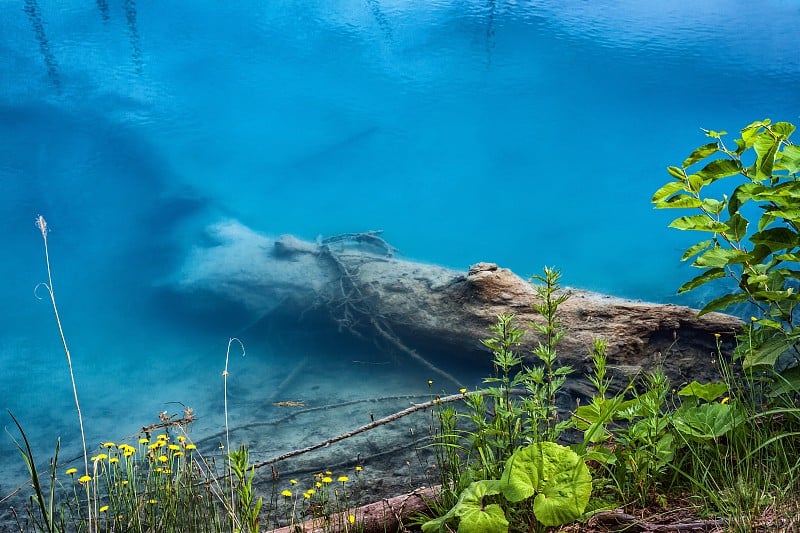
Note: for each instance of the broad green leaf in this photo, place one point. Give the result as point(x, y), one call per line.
point(723, 302)
point(717, 169)
point(668, 190)
point(783, 129)
point(696, 249)
point(695, 183)
point(489, 519)
point(742, 194)
point(698, 223)
point(789, 159)
point(766, 353)
point(776, 239)
point(720, 257)
point(789, 214)
point(766, 147)
point(700, 154)
point(679, 201)
point(706, 421)
point(713, 206)
point(737, 227)
point(558, 477)
point(702, 279)
point(705, 391)
point(469, 500)
point(787, 382)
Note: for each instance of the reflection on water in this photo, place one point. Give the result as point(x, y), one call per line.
point(133, 32)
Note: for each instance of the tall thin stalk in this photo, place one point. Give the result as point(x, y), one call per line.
point(41, 223)
point(225, 375)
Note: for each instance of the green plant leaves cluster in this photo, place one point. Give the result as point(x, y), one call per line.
point(553, 475)
point(753, 233)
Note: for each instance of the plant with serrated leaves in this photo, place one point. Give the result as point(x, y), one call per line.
point(762, 169)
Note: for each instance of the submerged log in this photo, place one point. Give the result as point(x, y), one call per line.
point(358, 283)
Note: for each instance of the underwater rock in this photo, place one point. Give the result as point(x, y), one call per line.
point(357, 282)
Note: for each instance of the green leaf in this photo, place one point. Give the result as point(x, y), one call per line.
point(698, 223)
point(696, 249)
point(767, 353)
point(558, 477)
point(783, 129)
point(713, 206)
point(720, 257)
point(702, 279)
point(705, 391)
point(723, 302)
point(717, 169)
point(706, 421)
point(776, 239)
point(489, 519)
point(679, 201)
point(737, 227)
point(700, 154)
point(742, 194)
point(787, 382)
point(470, 507)
point(668, 190)
point(766, 147)
point(676, 172)
point(789, 159)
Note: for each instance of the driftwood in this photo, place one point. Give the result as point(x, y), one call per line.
point(357, 283)
point(385, 516)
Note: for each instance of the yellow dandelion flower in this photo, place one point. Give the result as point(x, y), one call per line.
point(99, 457)
point(104, 508)
point(181, 438)
point(143, 441)
point(293, 481)
point(359, 468)
point(158, 470)
point(343, 479)
point(191, 447)
point(351, 519)
point(327, 479)
point(161, 437)
point(430, 382)
point(724, 400)
point(311, 492)
point(286, 493)
point(462, 390)
point(717, 335)
point(174, 447)
point(109, 444)
point(328, 473)
point(152, 446)
point(128, 453)
point(71, 471)
point(163, 458)
point(306, 495)
point(178, 454)
point(84, 479)
point(318, 484)
point(753, 319)
point(167, 470)
point(113, 460)
point(152, 502)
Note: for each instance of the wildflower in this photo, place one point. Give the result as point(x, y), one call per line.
point(293, 481)
point(143, 441)
point(152, 502)
point(181, 438)
point(161, 437)
point(71, 471)
point(124, 482)
point(359, 468)
point(430, 382)
point(328, 473)
point(286, 493)
point(191, 447)
point(178, 454)
point(462, 390)
point(717, 335)
point(167, 471)
point(327, 479)
point(311, 492)
point(99, 457)
point(351, 519)
point(104, 508)
point(724, 400)
point(753, 319)
point(84, 479)
point(318, 484)
point(158, 470)
point(113, 460)
point(174, 447)
point(163, 458)
point(343, 479)
point(109, 444)
point(307, 495)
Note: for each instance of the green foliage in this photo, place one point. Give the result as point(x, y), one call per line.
point(755, 229)
point(247, 506)
point(553, 475)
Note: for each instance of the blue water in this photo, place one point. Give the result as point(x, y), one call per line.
point(523, 133)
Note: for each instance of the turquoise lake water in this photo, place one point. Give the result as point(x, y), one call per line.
point(521, 133)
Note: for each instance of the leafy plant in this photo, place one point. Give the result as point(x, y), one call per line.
point(761, 260)
point(247, 507)
point(554, 476)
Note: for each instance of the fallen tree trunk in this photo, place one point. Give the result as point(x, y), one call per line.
point(385, 516)
point(357, 282)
